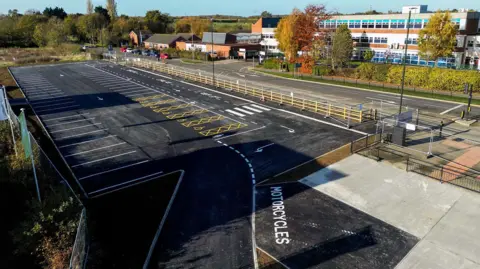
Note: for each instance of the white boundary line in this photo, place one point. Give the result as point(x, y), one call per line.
point(101, 130)
point(252, 102)
point(42, 101)
point(59, 104)
point(453, 108)
point(111, 170)
point(83, 152)
point(64, 123)
point(88, 141)
point(103, 159)
point(159, 230)
point(81, 114)
point(73, 128)
point(58, 108)
point(223, 137)
point(151, 177)
point(273, 258)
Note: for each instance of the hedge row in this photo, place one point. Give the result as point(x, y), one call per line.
point(421, 77)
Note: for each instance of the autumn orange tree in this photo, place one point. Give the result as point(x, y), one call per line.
point(300, 31)
point(192, 25)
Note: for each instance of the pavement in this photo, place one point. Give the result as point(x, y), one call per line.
point(116, 127)
point(441, 217)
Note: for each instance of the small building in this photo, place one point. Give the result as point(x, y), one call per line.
point(162, 41)
point(266, 27)
point(138, 37)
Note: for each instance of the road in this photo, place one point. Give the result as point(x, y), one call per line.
point(117, 126)
point(239, 70)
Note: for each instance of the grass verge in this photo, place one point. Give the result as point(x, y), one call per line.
point(436, 96)
point(190, 61)
point(124, 223)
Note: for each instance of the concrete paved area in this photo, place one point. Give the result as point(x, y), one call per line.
point(444, 217)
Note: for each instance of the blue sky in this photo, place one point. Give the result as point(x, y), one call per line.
point(232, 7)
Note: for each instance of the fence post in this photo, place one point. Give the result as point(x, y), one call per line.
point(316, 106)
point(408, 159)
point(9, 110)
point(271, 95)
point(351, 147)
point(441, 175)
point(366, 141)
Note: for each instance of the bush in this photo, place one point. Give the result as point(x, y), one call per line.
point(365, 71)
point(271, 64)
point(321, 70)
point(381, 72)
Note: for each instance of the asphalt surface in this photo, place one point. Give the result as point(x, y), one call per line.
point(116, 126)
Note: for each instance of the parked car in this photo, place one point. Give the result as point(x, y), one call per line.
point(137, 51)
point(123, 49)
point(153, 53)
point(145, 52)
point(130, 50)
point(164, 56)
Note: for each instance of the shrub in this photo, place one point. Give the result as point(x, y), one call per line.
point(365, 71)
point(381, 72)
point(271, 64)
point(321, 70)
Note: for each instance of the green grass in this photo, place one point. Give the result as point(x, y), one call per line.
point(431, 95)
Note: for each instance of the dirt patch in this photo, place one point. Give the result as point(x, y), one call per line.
point(6, 79)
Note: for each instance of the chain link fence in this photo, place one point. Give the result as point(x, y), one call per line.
point(43, 180)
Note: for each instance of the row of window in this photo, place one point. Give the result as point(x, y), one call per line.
point(392, 24)
point(268, 35)
point(366, 39)
point(471, 44)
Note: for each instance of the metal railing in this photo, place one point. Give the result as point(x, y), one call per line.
point(345, 113)
point(459, 176)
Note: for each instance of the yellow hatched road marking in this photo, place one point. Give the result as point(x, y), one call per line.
point(186, 114)
point(198, 128)
point(203, 121)
point(140, 99)
point(170, 108)
point(161, 102)
point(223, 129)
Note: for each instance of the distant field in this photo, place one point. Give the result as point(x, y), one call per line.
point(232, 26)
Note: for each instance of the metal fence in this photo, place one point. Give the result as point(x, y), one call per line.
point(346, 114)
point(43, 179)
point(453, 174)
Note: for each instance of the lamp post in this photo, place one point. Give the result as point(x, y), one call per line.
point(405, 60)
point(213, 60)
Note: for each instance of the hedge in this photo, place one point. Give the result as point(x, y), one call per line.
point(421, 77)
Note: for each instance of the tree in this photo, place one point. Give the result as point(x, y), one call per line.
point(89, 7)
point(285, 35)
point(32, 11)
point(25, 28)
point(266, 14)
point(342, 47)
point(193, 25)
point(368, 55)
point(13, 13)
point(90, 26)
point(102, 11)
point(438, 38)
point(157, 22)
point(70, 27)
point(112, 9)
point(57, 12)
point(49, 33)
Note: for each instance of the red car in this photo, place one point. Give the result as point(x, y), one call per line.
point(123, 49)
point(164, 56)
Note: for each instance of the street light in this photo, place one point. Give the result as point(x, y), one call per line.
point(211, 55)
point(405, 59)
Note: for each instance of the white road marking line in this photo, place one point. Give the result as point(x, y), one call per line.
point(63, 123)
point(127, 182)
point(234, 113)
point(252, 109)
point(261, 107)
point(160, 226)
point(377, 99)
point(243, 110)
point(223, 137)
point(453, 108)
point(145, 90)
point(69, 102)
point(80, 127)
point(63, 107)
point(70, 136)
point(83, 152)
point(76, 115)
point(42, 94)
point(103, 159)
point(128, 89)
point(131, 95)
point(88, 141)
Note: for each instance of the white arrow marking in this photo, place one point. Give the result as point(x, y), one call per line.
point(241, 75)
point(260, 149)
point(61, 75)
point(289, 130)
point(100, 99)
